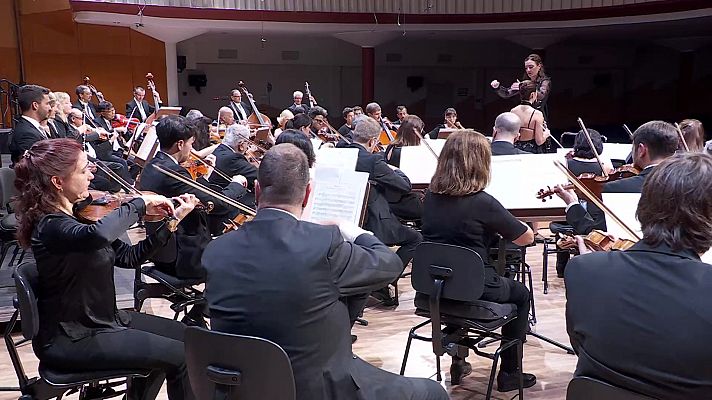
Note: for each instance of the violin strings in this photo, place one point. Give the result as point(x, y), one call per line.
point(125, 185)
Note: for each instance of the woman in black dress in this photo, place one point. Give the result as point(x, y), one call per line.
point(458, 211)
point(533, 71)
point(81, 328)
point(410, 132)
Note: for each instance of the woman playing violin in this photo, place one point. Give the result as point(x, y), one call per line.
point(80, 326)
point(409, 133)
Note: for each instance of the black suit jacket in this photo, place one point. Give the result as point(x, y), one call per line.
point(62, 127)
point(233, 163)
point(104, 149)
point(504, 148)
point(584, 223)
point(182, 254)
point(281, 279)
point(236, 113)
point(80, 107)
point(387, 186)
point(24, 135)
point(131, 105)
point(640, 319)
point(297, 109)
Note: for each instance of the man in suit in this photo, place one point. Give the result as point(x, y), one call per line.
point(230, 161)
point(138, 107)
point(288, 282)
point(640, 319)
point(35, 107)
point(298, 107)
point(389, 185)
point(114, 153)
point(84, 103)
point(348, 127)
point(240, 109)
point(653, 142)
point(181, 257)
point(505, 133)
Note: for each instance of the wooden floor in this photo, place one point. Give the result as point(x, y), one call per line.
point(382, 344)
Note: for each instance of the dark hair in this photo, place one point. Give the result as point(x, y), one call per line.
point(104, 106)
point(346, 112)
point(675, 206)
point(537, 59)
point(581, 147)
point(406, 131)
point(659, 137)
point(317, 110)
point(283, 175)
point(526, 88)
point(81, 89)
point(173, 128)
point(37, 195)
point(400, 108)
point(29, 94)
point(298, 139)
point(301, 120)
point(358, 108)
point(372, 108)
point(202, 132)
point(694, 134)
point(450, 111)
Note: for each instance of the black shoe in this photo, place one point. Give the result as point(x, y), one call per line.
point(507, 381)
point(458, 370)
point(353, 339)
point(384, 296)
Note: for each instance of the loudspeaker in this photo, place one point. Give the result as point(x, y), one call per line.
point(414, 82)
point(181, 62)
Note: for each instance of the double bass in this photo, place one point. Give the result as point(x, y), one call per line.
point(257, 121)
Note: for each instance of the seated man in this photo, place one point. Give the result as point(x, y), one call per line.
point(389, 186)
point(286, 283)
point(653, 142)
point(504, 134)
point(640, 319)
point(35, 107)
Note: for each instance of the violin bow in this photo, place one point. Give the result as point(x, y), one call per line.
point(593, 148)
point(627, 130)
point(208, 191)
point(217, 171)
point(113, 175)
point(422, 140)
point(682, 137)
point(593, 199)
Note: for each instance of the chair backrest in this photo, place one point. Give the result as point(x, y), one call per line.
point(585, 388)
point(26, 281)
point(7, 186)
point(238, 367)
point(466, 280)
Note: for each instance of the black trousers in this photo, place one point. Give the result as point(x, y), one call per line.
point(411, 240)
point(149, 342)
point(506, 290)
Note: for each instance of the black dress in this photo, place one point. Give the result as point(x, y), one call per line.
point(80, 326)
point(474, 221)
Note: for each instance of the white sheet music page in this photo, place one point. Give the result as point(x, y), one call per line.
point(339, 195)
point(150, 138)
point(623, 206)
point(418, 163)
point(516, 179)
point(344, 158)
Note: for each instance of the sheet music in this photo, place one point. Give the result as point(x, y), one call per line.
point(418, 163)
point(516, 180)
point(623, 206)
point(150, 138)
point(337, 158)
point(339, 194)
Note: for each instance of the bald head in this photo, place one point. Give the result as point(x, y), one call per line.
point(507, 126)
point(283, 177)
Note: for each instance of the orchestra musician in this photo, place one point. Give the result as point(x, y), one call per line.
point(653, 142)
point(240, 109)
point(505, 133)
point(83, 103)
point(48, 124)
point(636, 318)
point(80, 327)
point(225, 116)
point(320, 124)
point(410, 132)
point(458, 211)
point(106, 114)
point(181, 256)
point(450, 122)
point(138, 107)
point(61, 120)
point(533, 131)
point(284, 117)
point(533, 71)
point(302, 122)
point(357, 111)
point(301, 273)
point(298, 139)
point(373, 110)
point(694, 133)
point(35, 107)
point(389, 185)
point(347, 128)
point(298, 107)
point(401, 113)
point(231, 162)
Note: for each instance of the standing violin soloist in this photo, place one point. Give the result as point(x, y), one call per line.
point(80, 327)
point(533, 71)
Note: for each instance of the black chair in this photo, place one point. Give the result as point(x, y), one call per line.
point(559, 229)
point(53, 383)
point(226, 367)
point(449, 281)
point(8, 220)
point(585, 388)
point(181, 293)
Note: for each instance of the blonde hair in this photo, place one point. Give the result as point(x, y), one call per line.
point(464, 164)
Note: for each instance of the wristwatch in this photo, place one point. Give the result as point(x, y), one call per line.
point(172, 223)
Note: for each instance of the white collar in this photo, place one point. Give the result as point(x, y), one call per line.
point(280, 210)
point(34, 122)
point(170, 156)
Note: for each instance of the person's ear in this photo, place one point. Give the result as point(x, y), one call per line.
point(57, 182)
point(258, 191)
point(307, 192)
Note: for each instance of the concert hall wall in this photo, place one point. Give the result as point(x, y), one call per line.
point(59, 53)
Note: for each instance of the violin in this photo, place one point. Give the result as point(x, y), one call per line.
point(235, 223)
point(99, 204)
point(122, 121)
point(597, 241)
point(195, 166)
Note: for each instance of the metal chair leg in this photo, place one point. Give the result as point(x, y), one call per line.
point(438, 371)
point(407, 351)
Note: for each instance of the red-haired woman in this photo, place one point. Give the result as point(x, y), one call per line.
point(80, 326)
